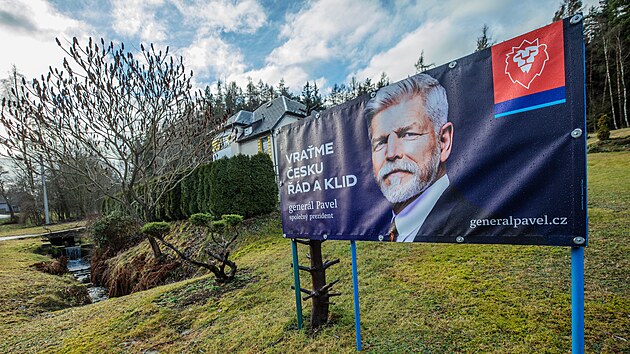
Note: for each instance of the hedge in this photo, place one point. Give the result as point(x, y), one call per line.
point(244, 185)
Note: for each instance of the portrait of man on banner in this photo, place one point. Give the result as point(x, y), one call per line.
point(411, 140)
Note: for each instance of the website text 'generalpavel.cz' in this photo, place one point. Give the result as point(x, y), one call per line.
point(516, 222)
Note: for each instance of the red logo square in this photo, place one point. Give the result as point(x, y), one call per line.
point(527, 64)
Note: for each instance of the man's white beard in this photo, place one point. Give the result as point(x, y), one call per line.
point(422, 177)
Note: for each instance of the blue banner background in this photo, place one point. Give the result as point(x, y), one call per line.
point(522, 165)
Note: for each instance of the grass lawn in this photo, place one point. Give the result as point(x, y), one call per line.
point(619, 141)
point(614, 134)
point(428, 298)
point(27, 292)
point(17, 229)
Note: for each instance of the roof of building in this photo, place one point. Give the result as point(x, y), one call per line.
point(265, 117)
point(242, 118)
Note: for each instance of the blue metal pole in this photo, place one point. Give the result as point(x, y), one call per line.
point(296, 281)
point(577, 300)
point(355, 284)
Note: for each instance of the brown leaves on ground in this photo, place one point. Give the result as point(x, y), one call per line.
point(58, 266)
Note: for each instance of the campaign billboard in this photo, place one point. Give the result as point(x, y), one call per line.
point(489, 148)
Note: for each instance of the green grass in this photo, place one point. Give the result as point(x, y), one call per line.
point(19, 229)
point(614, 134)
point(427, 298)
point(619, 141)
point(26, 292)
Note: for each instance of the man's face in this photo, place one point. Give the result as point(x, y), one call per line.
point(405, 153)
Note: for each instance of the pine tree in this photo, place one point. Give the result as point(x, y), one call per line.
point(567, 8)
point(420, 65)
point(484, 41)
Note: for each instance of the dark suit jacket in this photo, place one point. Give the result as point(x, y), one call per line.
point(451, 217)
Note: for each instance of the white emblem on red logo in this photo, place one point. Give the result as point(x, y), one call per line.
point(525, 62)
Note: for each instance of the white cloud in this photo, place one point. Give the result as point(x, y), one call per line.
point(327, 29)
point(449, 30)
point(27, 36)
point(244, 16)
point(138, 18)
point(294, 76)
point(209, 54)
point(398, 61)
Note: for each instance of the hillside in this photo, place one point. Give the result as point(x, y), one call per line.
point(414, 298)
point(619, 141)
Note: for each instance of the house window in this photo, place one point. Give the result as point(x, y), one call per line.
point(216, 144)
point(264, 146)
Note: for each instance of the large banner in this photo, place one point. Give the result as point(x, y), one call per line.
point(489, 148)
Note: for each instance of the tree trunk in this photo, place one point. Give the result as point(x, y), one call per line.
point(623, 83)
point(321, 304)
point(11, 211)
point(155, 247)
point(619, 101)
point(157, 252)
point(612, 100)
point(589, 85)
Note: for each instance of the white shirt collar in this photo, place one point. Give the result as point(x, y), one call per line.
point(410, 219)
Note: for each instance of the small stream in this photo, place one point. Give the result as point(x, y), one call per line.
point(79, 266)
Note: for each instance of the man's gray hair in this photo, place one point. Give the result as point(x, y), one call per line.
point(423, 85)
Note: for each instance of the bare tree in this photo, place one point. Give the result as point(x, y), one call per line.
point(17, 146)
point(609, 80)
point(134, 118)
point(4, 192)
point(621, 82)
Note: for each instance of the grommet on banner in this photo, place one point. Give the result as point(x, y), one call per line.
point(576, 133)
point(325, 237)
point(452, 64)
point(459, 239)
point(373, 94)
point(284, 235)
point(380, 237)
point(575, 19)
point(317, 115)
point(579, 240)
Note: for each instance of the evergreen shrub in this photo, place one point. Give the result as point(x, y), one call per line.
point(603, 132)
point(240, 185)
point(156, 229)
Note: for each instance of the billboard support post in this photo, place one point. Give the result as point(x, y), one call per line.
point(355, 285)
point(577, 300)
point(296, 281)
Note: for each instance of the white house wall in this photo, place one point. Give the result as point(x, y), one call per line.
point(227, 152)
point(249, 147)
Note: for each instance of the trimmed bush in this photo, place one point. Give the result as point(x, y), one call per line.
point(264, 178)
point(232, 219)
point(114, 231)
point(603, 131)
point(201, 219)
point(218, 226)
point(156, 229)
point(241, 185)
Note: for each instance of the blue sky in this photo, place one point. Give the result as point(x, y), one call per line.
point(327, 41)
